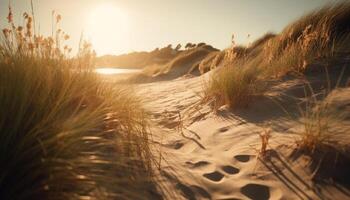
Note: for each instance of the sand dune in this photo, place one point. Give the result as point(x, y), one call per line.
point(209, 155)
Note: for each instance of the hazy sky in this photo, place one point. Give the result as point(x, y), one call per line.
point(120, 26)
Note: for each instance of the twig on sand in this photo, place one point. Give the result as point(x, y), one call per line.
point(180, 129)
point(264, 136)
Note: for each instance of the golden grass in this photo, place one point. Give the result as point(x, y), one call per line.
point(323, 125)
point(234, 86)
point(310, 43)
point(212, 61)
point(64, 133)
point(318, 36)
point(324, 137)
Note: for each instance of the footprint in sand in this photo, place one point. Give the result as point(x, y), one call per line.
point(201, 191)
point(186, 191)
point(197, 164)
point(218, 176)
point(256, 191)
point(193, 191)
point(175, 144)
point(243, 158)
point(214, 176)
point(223, 129)
point(156, 115)
point(230, 170)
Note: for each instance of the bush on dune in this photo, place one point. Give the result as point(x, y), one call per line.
point(64, 133)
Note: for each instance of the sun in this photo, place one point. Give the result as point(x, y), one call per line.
point(107, 29)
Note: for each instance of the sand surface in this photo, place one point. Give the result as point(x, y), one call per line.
point(207, 155)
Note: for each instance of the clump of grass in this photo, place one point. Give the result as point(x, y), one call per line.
point(234, 86)
point(322, 125)
point(324, 138)
point(210, 62)
point(64, 133)
point(316, 127)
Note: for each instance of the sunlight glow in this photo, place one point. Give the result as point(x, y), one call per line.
point(112, 71)
point(107, 29)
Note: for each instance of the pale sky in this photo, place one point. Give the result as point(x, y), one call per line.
point(122, 26)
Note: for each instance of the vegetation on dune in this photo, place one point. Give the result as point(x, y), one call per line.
point(64, 133)
point(321, 125)
point(210, 62)
point(261, 41)
point(313, 41)
point(235, 87)
point(324, 135)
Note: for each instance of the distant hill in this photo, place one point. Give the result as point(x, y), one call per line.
point(181, 63)
point(158, 56)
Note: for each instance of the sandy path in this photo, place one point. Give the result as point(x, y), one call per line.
point(218, 158)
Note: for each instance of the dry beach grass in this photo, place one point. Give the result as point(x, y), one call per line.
point(269, 121)
point(65, 134)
